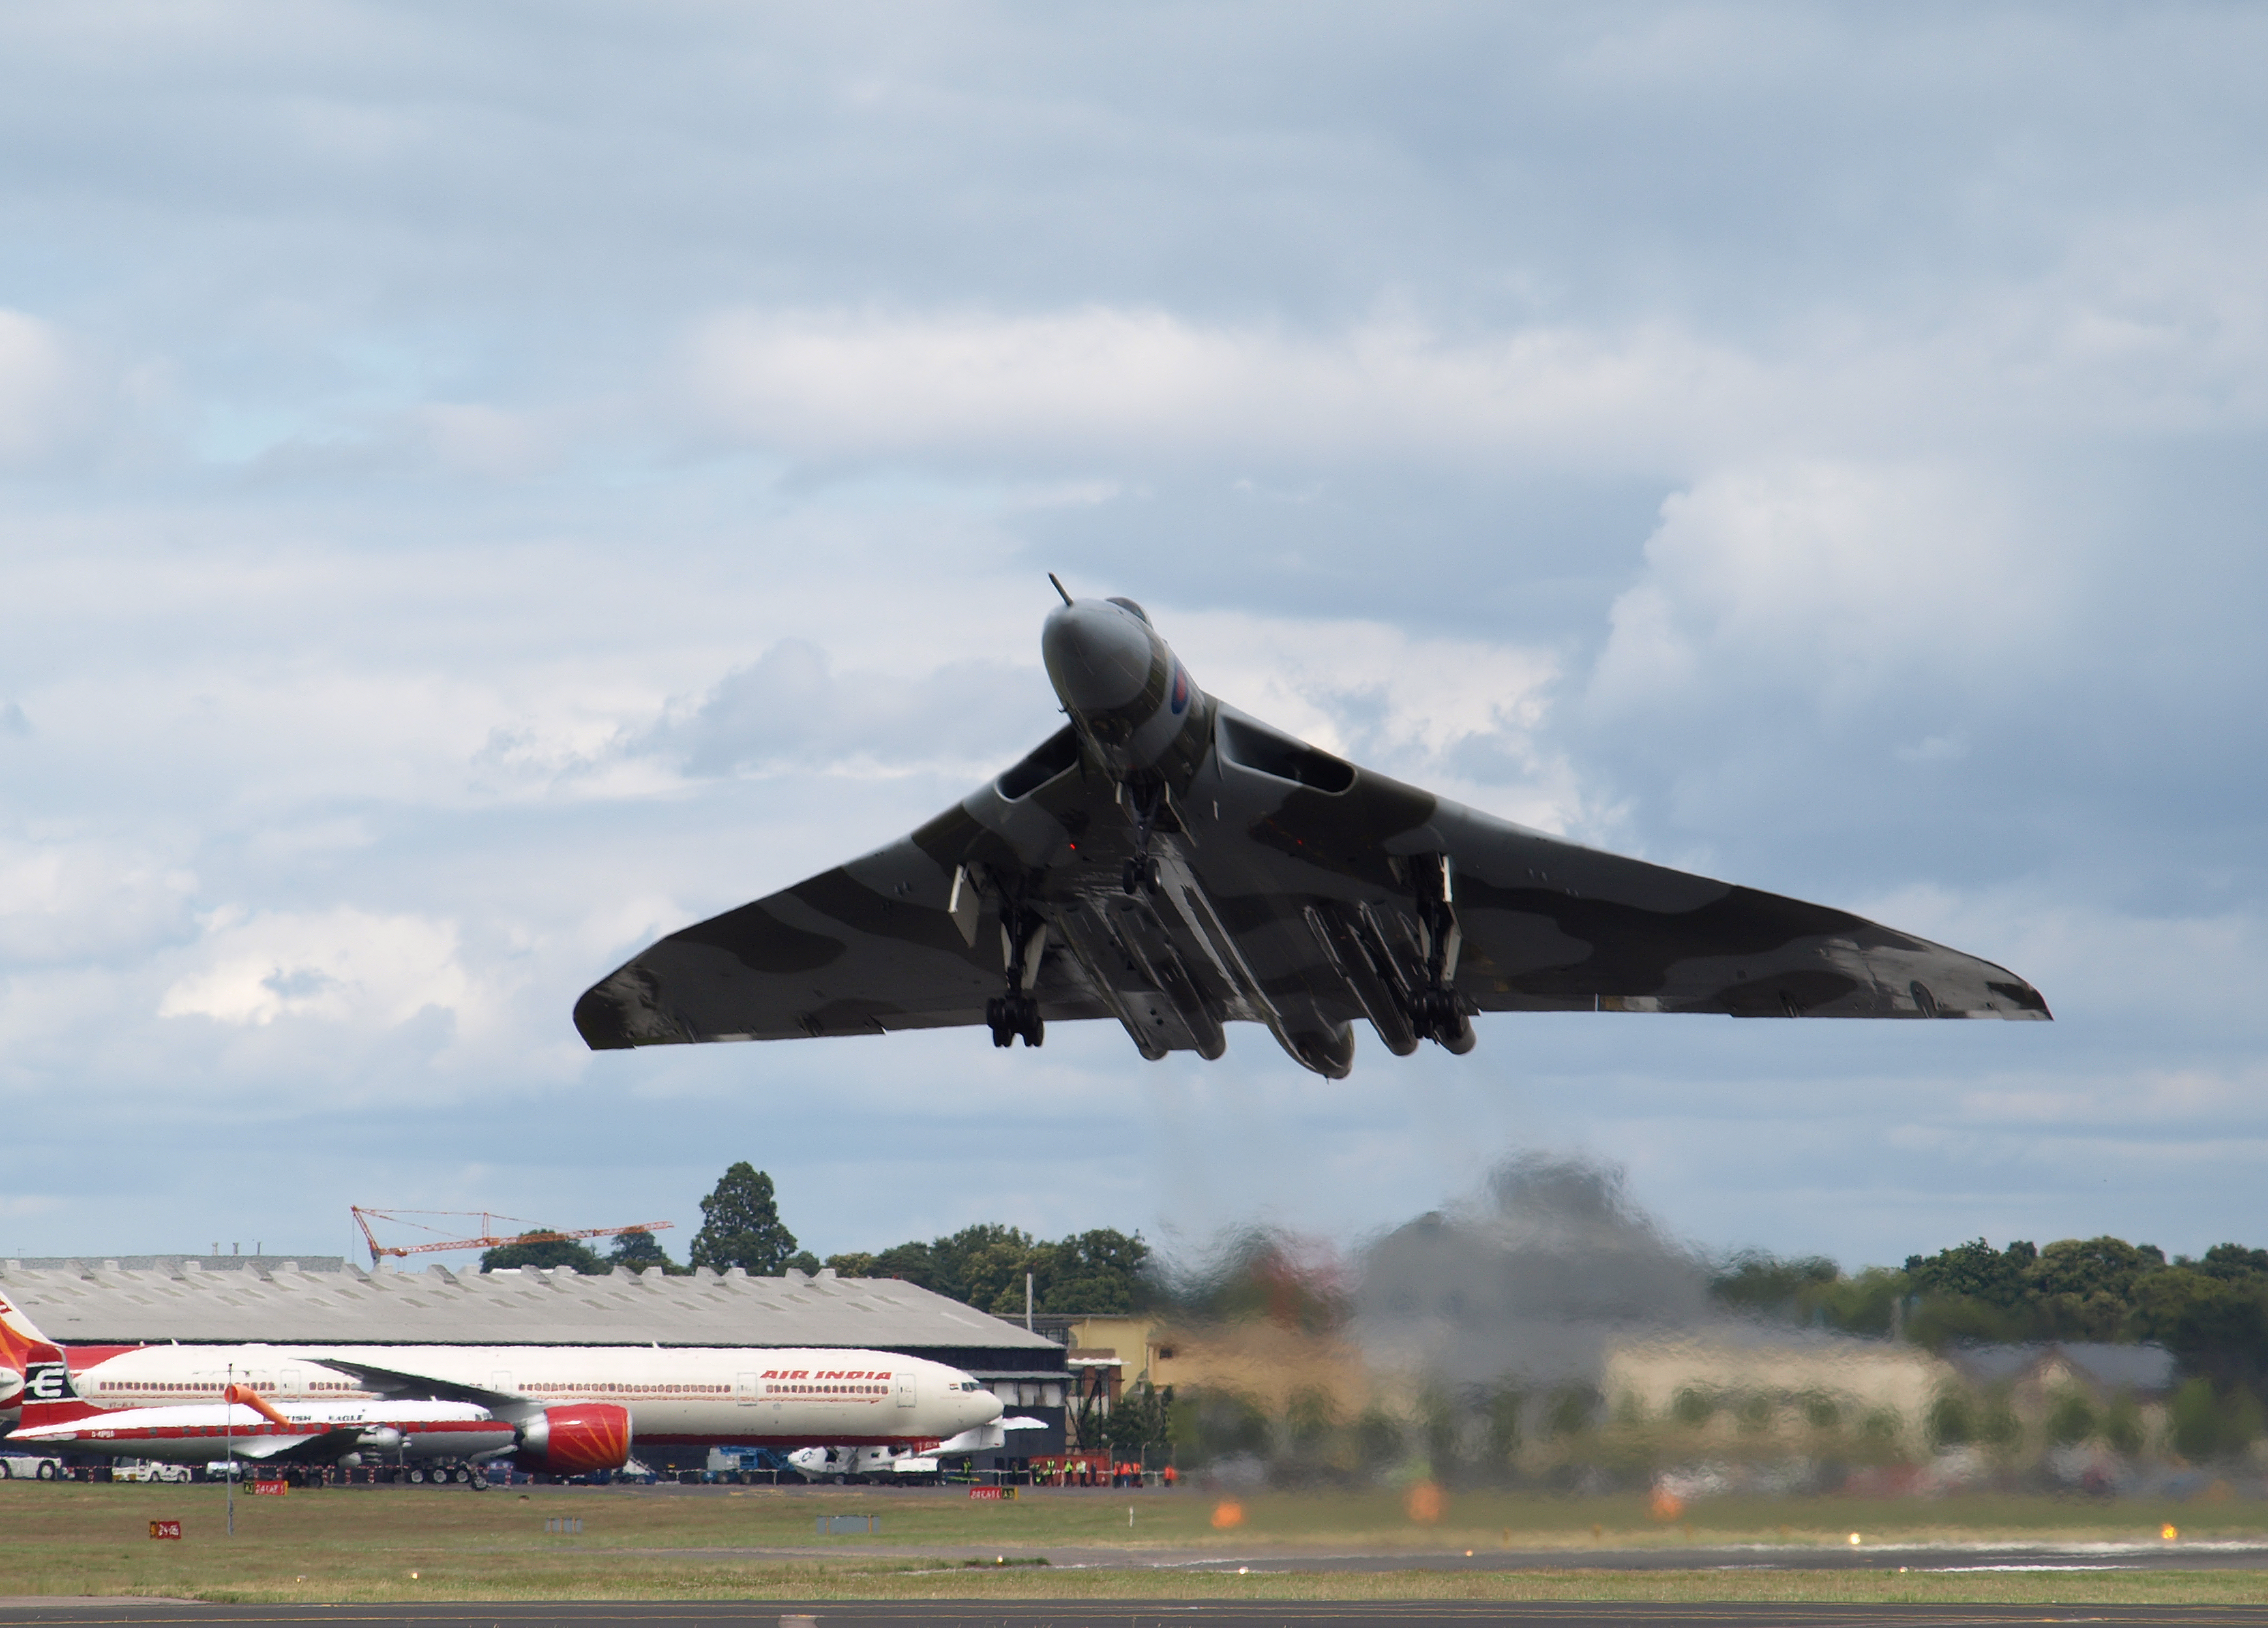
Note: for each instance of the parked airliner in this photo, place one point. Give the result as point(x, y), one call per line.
point(684, 1396)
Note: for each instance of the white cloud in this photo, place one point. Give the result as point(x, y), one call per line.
point(64, 900)
point(40, 389)
point(341, 966)
point(478, 439)
point(1104, 380)
point(793, 709)
point(1430, 285)
point(2122, 333)
point(1826, 582)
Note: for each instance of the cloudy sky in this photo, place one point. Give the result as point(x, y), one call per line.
point(483, 485)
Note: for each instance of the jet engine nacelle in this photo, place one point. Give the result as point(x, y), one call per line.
point(12, 1386)
point(575, 1441)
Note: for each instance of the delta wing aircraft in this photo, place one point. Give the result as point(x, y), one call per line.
point(1171, 864)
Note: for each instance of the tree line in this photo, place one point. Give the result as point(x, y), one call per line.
point(2211, 1312)
point(1091, 1273)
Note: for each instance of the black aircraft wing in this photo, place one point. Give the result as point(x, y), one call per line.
point(1272, 883)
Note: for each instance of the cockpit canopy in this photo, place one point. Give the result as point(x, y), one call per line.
point(1128, 604)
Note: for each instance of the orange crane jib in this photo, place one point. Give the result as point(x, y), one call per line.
point(488, 1238)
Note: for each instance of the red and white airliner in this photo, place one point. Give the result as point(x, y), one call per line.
point(556, 1409)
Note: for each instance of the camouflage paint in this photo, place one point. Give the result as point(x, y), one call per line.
point(1282, 903)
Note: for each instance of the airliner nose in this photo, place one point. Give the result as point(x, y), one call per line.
point(1098, 656)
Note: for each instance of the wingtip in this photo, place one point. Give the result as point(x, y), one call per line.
point(599, 1019)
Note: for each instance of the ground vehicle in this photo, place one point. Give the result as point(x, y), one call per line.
point(146, 1469)
point(842, 1464)
point(30, 1466)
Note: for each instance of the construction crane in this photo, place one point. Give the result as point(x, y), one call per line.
point(490, 1239)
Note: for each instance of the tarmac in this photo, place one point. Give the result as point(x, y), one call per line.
point(1107, 1614)
point(2196, 1556)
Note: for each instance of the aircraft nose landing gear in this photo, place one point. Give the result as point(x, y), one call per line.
point(1140, 873)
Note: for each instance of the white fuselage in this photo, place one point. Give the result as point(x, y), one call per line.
point(200, 1432)
point(787, 1397)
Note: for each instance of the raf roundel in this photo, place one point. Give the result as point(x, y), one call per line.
point(1181, 690)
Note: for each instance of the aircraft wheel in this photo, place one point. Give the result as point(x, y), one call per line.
point(1129, 878)
point(1152, 877)
point(417, 1478)
point(479, 1481)
point(1034, 1029)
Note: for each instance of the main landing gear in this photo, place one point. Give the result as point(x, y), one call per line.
point(1024, 936)
point(1436, 1012)
point(1011, 1016)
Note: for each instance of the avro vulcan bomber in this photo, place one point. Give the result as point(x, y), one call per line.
point(1175, 866)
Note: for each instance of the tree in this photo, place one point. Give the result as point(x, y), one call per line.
point(1757, 1280)
point(545, 1253)
point(1977, 1270)
point(2233, 1262)
point(1142, 1423)
point(740, 1225)
point(2217, 1326)
point(913, 1262)
point(639, 1250)
point(2105, 1266)
point(1093, 1273)
point(977, 1264)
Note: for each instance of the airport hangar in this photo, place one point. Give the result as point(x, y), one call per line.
point(225, 1300)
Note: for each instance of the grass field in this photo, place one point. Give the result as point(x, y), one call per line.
point(419, 1542)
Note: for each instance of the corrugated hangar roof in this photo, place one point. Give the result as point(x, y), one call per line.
point(274, 1300)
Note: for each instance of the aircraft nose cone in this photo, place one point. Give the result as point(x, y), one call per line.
point(1098, 656)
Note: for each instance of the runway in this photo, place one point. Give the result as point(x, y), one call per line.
point(1106, 1614)
point(2196, 1556)
point(1943, 1558)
